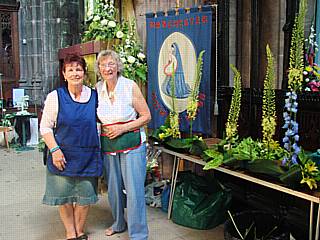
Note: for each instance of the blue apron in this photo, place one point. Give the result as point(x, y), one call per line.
point(76, 134)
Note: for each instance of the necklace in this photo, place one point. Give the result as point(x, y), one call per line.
point(111, 94)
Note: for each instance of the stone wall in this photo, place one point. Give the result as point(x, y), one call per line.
point(44, 27)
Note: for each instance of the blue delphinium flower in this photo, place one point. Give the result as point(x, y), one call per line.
point(291, 138)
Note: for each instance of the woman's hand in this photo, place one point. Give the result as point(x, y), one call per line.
point(114, 131)
point(58, 160)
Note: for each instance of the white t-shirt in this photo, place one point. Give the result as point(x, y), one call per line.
point(121, 110)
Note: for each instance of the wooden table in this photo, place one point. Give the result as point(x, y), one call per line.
point(194, 159)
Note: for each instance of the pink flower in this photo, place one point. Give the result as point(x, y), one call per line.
point(314, 86)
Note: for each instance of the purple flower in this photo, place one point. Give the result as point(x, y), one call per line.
point(288, 105)
point(286, 146)
point(296, 148)
point(294, 159)
point(291, 134)
point(284, 161)
point(285, 139)
point(294, 110)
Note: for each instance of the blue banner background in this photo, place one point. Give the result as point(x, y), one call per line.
point(197, 26)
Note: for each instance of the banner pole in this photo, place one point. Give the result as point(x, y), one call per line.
point(216, 109)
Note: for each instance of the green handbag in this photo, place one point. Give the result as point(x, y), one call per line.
point(124, 142)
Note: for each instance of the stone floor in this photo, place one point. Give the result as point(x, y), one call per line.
point(22, 216)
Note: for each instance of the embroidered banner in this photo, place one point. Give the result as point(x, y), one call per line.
point(176, 40)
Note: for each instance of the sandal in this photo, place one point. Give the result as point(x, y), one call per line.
point(83, 237)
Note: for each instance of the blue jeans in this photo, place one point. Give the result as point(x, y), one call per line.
point(127, 171)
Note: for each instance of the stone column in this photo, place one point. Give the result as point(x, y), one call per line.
point(232, 38)
point(31, 66)
point(272, 19)
point(244, 40)
point(45, 26)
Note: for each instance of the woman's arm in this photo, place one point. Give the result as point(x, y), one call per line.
point(48, 120)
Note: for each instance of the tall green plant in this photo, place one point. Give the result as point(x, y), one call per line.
point(268, 102)
point(233, 116)
point(295, 76)
point(193, 99)
point(296, 64)
point(174, 115)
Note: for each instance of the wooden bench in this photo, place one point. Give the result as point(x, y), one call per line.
point(5, 131)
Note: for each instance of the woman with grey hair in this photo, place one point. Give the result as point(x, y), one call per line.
point(123, 112)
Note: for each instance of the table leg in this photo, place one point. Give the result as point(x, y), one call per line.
point(175, 171)
point(311, 220)
point(317, 226)
point(171, 187)
point(23, 134)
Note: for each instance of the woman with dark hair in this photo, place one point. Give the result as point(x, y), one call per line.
point(69, 129)
point(174, 65)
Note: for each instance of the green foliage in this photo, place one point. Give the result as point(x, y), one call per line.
point(193, 99)
point(268, 105)
point(296, 64)
point(216, 159)
point(232, 122)
point(306, 172)
point(248, 154)
point(41, 145)
point(247, 149)
point(309, 171)
point(6, 120)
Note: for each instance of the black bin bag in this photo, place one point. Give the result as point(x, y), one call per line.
point(199, 202)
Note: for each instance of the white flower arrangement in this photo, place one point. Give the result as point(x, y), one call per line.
point(102, 24)
point(132, 56)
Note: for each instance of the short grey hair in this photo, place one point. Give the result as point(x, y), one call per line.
point(114, 56)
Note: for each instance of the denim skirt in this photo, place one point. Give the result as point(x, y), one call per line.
point(67, 190)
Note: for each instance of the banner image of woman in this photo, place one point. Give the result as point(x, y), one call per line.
point(181, 88)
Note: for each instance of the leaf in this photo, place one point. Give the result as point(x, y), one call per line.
point(198, 147)
point(268, 167)
point(292, 176)
point(178, 143)
point(214, 163)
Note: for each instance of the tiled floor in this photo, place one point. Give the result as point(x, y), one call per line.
point(22, 178)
